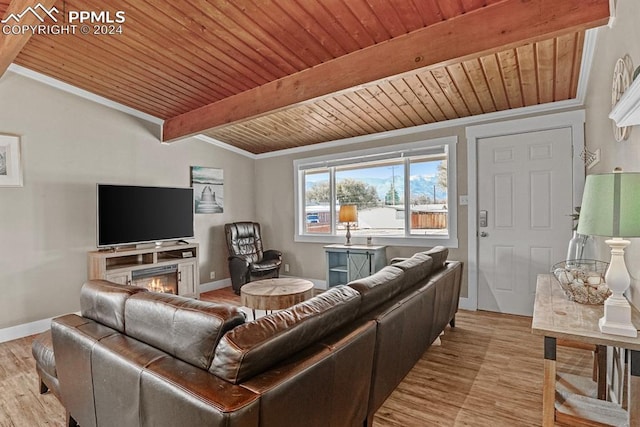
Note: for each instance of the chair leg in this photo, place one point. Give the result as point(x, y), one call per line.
point(452, 322)
point(43, 386)
point(369, 421)
point(70, 421)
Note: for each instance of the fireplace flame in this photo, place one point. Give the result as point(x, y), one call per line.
point(157, 286)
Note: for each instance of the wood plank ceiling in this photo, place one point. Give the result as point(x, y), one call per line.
point(174, 59)
point(528, 75)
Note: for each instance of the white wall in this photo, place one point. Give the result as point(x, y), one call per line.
point(68, 145)
point(275, 204)
point(612, 44)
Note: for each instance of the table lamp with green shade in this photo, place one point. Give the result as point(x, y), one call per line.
point(611, 208)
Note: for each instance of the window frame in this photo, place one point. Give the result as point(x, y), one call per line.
point(451, 240)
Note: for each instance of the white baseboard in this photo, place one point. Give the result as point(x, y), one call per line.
point(212, 286)
point(24, 330)
point(467, 304)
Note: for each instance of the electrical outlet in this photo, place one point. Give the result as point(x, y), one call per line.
point(212, 275)
point(286, 268)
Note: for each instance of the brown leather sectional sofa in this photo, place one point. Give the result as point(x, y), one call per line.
point(137, 358)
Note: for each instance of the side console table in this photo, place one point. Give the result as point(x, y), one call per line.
point(557, 318)
point(347, 263)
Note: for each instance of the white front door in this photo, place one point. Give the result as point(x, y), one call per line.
point(525, 191)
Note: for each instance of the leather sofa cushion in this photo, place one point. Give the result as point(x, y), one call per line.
point(255, 346)
point(439, 255)
point(185, 328)
point(104, 301)
point(416, 269)
point(379, 287)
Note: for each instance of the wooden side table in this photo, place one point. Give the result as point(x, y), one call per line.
point(275, 294)
point(557, 318)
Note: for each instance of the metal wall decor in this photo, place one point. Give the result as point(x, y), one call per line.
point(621, 81)
point(590, 158)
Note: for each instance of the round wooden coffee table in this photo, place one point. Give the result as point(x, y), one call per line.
point(275, 294)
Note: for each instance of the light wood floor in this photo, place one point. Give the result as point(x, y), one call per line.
point(486, 372)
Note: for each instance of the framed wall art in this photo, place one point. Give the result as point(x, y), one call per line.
point(208, 189)
point(10, 162)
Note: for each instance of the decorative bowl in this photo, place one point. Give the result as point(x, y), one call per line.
point(583, 280)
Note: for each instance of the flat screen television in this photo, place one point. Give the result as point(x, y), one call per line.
point(129, 214)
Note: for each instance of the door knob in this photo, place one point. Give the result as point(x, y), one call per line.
point(483, 234)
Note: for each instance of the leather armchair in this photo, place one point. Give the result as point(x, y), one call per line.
point(247, 260)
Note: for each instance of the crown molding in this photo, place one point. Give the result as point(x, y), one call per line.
point(588, 56)
point(58, 84)
point(224, 145)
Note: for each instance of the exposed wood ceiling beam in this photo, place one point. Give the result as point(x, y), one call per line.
point(483, 31)
point(12, 44)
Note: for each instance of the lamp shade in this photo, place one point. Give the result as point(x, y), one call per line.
point(611, 205)
point(348, 213)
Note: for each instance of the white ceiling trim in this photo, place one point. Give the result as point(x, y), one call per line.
point(224, 145)
point(58, 84)
point(613, 12)
point(588, 56)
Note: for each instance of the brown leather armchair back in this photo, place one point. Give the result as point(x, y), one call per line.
point(244, 239)
point(247, 259)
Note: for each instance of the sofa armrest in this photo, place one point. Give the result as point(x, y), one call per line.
point(176, 393)
point(272, 254)
point(336, 366)
point(74, 339)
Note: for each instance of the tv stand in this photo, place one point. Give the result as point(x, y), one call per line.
point(117, 265)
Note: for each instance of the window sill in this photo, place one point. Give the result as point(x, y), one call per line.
point(415, 241)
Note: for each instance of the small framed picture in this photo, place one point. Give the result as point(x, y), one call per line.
point(208, 189)
point(10, 162)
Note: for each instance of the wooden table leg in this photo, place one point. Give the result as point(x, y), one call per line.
point(634, 388)
point(549, 384)
point(601, 371)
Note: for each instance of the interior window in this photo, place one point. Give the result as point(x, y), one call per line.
point(402, 195)
point(317, 206)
